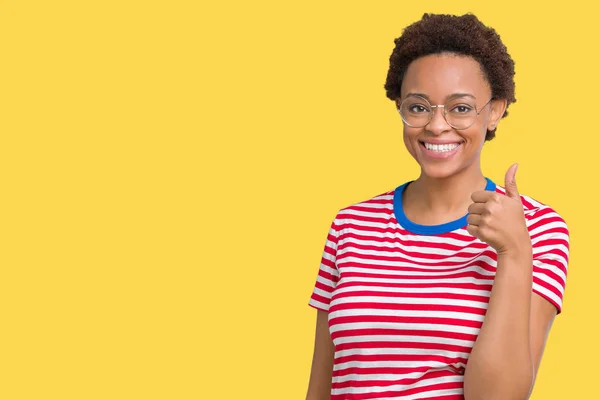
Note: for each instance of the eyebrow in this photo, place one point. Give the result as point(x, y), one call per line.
point(450, 97)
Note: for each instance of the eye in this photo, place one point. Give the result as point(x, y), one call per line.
point(417, 108)
point(461, 109)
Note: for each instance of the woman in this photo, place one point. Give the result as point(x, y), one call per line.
point(447, 286)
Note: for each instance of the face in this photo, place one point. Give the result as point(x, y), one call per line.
point(440, 149)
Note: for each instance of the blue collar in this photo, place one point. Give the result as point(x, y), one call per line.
point(429, 229)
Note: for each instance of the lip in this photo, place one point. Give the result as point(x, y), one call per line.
point(437, 141)
point(439, 155)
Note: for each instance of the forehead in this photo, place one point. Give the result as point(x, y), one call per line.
point(441, 75)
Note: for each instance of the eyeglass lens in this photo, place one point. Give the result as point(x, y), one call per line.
point(460, 112)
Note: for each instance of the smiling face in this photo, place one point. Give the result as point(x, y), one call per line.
point(459, 83)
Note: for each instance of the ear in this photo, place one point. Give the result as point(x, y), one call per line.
point(498, 107)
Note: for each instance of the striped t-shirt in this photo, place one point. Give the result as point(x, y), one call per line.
point(406, 301)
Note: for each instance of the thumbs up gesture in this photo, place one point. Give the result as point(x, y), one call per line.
point(498, 219)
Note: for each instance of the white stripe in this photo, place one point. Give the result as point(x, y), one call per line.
point(401, 352)
point(465, 292)
point(318, 304)
point(547, 293)
point(411, 301)
point(374, 206)
point(406, 313)
point(387, 245)
point(423, 261)
point(322, 293)
point(328, 269)
point(325, 282)
point(403, 338)
point(548, 279)
point(431, 281)
point(411, 238)
point(546, 226)
point(404, 326)
point(434, 394)
point(398, 364)
point(418, 384)
point(374, 270)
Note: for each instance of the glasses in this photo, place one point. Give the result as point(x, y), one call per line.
point(459, 113)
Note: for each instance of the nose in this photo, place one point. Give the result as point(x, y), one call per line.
point(438, 123)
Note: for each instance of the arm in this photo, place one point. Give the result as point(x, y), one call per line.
point(508, 351)
point(319, 387)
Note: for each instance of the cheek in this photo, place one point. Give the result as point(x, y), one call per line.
point(476, 135)
point(410, 140)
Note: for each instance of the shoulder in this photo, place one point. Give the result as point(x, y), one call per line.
point(371, 209)
point(539, 215)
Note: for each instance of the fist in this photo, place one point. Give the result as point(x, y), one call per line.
point(498, 219)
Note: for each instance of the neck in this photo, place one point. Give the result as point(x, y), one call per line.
point(446, 196)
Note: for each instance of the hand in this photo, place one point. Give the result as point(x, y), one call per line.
point(499, 220)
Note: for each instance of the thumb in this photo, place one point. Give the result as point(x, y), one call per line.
point(510, 183)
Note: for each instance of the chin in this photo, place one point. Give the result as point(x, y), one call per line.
point(439, 171)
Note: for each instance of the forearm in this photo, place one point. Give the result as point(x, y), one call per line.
point(319, 386)
point(500, 365)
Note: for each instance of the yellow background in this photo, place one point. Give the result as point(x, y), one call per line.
point(169, 171)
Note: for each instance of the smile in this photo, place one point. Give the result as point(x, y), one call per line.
point(440, 148)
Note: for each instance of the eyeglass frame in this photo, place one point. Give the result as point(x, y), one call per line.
point(431, 113)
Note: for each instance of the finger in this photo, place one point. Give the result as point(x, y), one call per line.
point(473, 230)
point(477, 208)
point(474, 219)
point(510, 182)
point(483, 196)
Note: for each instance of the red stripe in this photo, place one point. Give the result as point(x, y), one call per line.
point(399, 230)
point(554, 251)
point(408, 392)
point(556, 230)
point(407, 307)
point(320, 299)
point(324, 287)
point(547, 286)
point(399, 319)
point(461, 285)
point(554, 263)
point(384, 211)
point(341, 258)
point(466, 274)
point(545, 221)
point(404, 358)
point(399, 243)
point(420, 295)
point(355, 218)
point(527, 204)
point(399, 250)
point(379, 370)
point(326, 275)
point(551, 274)
point(558, 306)
point(404, 332)
point(550, 242)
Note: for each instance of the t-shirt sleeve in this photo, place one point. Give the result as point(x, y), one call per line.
point(550, 242)
point(328, 275)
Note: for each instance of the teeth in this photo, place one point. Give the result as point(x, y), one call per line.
point(441, 147)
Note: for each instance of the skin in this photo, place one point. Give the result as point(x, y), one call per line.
point(508, 351)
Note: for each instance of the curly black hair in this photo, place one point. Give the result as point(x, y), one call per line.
point(464, 35)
